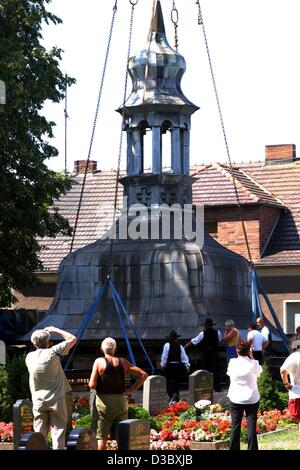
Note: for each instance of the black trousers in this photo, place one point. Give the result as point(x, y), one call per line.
point(258, 356)
point(237, 411)
point(173, 373)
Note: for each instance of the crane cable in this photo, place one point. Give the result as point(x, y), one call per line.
point(201, 24)
point(174, 19)
point(133, 5)
point(115, 8)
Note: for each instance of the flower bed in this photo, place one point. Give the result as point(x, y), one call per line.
point(6, 436)
point(201, 426)
point(181, 423)
point(6, 432)
point(81, 407)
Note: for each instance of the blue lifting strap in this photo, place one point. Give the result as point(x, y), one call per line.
point(89, 315)
point(118, 303)
point(123, 327)
point(254, 298)
point(256, 305)
point(115, 293)
point(257, 289)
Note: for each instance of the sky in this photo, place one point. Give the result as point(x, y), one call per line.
point(255, 52)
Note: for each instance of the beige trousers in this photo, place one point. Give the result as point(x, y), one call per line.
point(53, 418)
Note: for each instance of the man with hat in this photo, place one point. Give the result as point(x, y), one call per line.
point(174, 361)
point(209, 339)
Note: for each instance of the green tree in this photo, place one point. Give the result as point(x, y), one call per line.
point(6, 401)
point(28, 188)
point(14, 385)
point(18, 378)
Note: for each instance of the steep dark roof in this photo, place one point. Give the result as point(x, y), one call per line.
point(257, 183)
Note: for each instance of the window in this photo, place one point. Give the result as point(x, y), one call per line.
point(291, 315)
point(166, 146)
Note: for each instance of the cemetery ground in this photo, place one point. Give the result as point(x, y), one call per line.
point(181, 426)
point(287, 439)
point(200, 421)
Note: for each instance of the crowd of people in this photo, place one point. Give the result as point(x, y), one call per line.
point(48, 383)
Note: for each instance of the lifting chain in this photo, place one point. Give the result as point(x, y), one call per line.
point(174, 19)
point(201, 23)
point(133, 4)
point(115, 8)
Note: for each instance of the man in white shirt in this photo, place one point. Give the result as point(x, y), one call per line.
point(267, 335)
point(174, 361)
point(209, 340)
point(48, 384)
point(291, 369)
point(257, 342)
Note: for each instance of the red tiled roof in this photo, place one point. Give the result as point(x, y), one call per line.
point(214, 186)
point(282, 180)
point(257, 183)
point(96, 215)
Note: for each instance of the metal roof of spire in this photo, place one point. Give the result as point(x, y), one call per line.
point(156, 71)
point(157, 22)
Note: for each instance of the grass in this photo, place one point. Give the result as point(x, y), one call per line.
point(289, 439)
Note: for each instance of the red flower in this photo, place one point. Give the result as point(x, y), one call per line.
point(178, 407)
point(166, 435)
point(6, 432)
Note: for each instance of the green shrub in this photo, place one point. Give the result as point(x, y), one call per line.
point(6, 401)
point(14, 385)
point(282, 400)
point(19, 378)
point(138, 412)
point(189, 414)
point(279, 386)
point(49, 440)
point(84, 422)
point(271, 394)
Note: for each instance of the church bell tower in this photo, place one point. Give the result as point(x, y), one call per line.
point(157, 106)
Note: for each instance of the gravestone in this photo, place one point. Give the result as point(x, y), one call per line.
point(201, 386)
point(134, 434)
point(155, 397)
point(82, 439)
point(23, 420)
point(33, 441)
point(2, 352)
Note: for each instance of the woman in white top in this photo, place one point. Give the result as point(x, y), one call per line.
point(243, 394)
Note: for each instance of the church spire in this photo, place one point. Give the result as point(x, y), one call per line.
point(157, 22)
point(157, 106)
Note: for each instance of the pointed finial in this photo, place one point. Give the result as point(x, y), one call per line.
point(157, 22)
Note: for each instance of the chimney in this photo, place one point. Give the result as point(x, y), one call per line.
point(80, 165)
point(284, 152)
